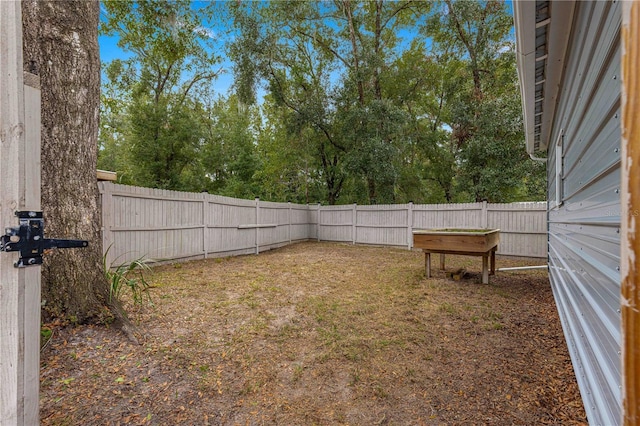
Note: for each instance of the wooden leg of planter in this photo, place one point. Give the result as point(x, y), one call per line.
point(485, 268)
point(493, 263)
point(442, 261)
point(427, 264)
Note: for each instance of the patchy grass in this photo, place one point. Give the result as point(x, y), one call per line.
point(325, 334)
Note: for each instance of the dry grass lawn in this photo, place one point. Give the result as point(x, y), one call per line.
point(321, 334)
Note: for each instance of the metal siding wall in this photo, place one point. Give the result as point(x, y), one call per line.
point(584, 232)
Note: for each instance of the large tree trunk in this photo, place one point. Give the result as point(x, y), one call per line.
point(61, 45)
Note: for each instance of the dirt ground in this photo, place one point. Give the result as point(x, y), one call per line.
point(321, 334)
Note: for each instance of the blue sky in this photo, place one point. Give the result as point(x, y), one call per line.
point(109, 51)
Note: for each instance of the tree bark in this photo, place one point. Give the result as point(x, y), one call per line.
point(61, 45)
point(346, 4)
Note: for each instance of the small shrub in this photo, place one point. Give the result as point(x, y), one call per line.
point(131, 276)
point(45, 336)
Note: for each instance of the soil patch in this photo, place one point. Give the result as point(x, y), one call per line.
point(325, 334)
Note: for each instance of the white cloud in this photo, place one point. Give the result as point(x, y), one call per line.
point(207, 32)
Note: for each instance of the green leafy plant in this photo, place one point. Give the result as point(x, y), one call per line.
point(128, 275)
point(45, 336)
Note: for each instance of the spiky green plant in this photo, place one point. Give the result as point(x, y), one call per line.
point(129, 275)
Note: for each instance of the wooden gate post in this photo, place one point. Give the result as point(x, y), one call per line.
point(19, 190)
point(630, 206)
point(630, 217)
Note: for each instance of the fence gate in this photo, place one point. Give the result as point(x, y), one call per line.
point(19, 191)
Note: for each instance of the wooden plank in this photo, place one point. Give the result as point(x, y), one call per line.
point(485, 269)
point(354, 218)
point(32, 300)
point(11, 126)
point(493, 262)
point(485, 262)
point(456, 241)
point(427, 263)
point(19, 190)
point(630, 206)
point(410, 226)
point(458, 252)
point(107, 176)
point(256, 225)
point(205, 230)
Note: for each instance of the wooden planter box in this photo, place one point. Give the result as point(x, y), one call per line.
point(469, 242)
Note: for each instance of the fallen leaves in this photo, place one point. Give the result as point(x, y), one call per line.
point(320, 333)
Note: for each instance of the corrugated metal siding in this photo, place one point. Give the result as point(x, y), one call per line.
point(584, 232)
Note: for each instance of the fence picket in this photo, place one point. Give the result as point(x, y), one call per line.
point(175, 225)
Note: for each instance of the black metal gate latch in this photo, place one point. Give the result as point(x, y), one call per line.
point(28, 239)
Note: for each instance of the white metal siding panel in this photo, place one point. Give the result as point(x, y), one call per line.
point(584, 232)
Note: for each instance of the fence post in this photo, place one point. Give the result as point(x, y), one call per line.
point(205, 225)
point(354, 218)
point(106, 205)
point(32, 289)
point(485, 216)
point(410, 225)
point(19, 190)
point(257, 227)
point(289, 203)
point(318, 223)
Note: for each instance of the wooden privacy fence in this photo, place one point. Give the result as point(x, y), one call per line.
point(523, 226)
point(173, 225)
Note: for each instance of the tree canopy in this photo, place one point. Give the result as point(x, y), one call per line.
point(334, 102)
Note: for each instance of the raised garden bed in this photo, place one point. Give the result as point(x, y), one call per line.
point(469, 242)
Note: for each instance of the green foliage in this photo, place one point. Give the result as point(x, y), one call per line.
point(375, 133)
point(228, 151)
point(45, 336)
point(348, 110)
point(128, 276)
point(485, 114)
point(152, 114)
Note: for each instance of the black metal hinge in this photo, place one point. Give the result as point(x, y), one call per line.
point(28, 239)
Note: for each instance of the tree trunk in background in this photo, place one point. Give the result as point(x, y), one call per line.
point(61, 45)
